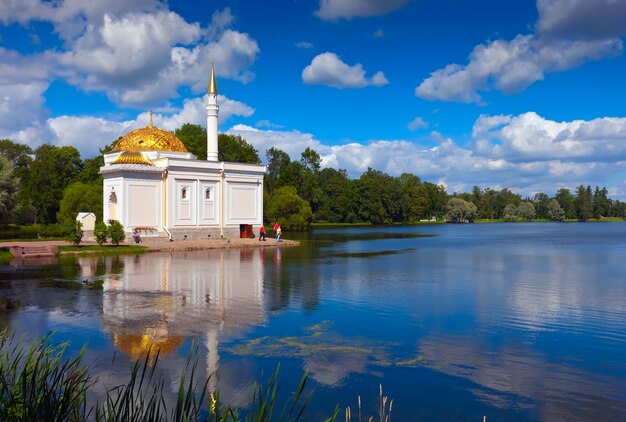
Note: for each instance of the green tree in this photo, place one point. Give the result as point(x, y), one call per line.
point(371, 192)
point(194, 138)
point(411, 208)
point(555, 212)
point(116, 232)
point(289, 209)
point(526, 210)
point(337, 199)
point(90, 172)
point(510, 213)
point(235, 149)
point(75, 234)
point(541, 201)
point(277, 162)
point(566, 201)
point(583, 203)
point(52, 170)
point(80, 197)
point(601, 203)
point(460, 211)
point(9, 187)
point(101, 232)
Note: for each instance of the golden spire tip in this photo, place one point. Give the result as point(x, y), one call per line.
point(212, 84)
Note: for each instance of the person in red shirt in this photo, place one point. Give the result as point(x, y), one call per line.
point(262, 233)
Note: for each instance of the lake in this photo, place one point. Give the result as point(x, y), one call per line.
point(456, 322)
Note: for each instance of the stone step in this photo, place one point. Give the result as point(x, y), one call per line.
point(32, 251)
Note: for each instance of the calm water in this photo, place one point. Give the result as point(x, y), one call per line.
point(511, 321)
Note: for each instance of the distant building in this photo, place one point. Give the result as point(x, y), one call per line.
point(87, 219)
point(151, 180)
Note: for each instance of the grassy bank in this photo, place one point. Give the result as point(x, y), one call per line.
point(5, 256)
point(101, 250)
point(39, 382)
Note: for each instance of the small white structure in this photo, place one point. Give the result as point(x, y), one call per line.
point(152, 181)
point(87, 219)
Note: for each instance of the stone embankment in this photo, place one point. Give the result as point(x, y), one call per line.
point(160, 245)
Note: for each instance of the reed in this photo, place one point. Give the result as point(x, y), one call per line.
point(38, 382)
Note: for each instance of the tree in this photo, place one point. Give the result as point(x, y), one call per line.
point(80, 197)
point(75, 233)
point(526, 210)
point(90, 172)
point(566, 201)
point(510, 213)
point(9, 186)
point(116, 232)
point(52, 170)
point(277, 162)
point(460, 211)
point(194, 138)
point(541, 201)
point(337, 199)
point(583, 203)
point(555, 212)
point(289, 209)
point(601, 203)
point(235, 149)
point(100, 232)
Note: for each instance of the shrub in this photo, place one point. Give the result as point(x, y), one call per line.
point(101, 232)
point(75, 233)
point(116, 232)
point(289, 209)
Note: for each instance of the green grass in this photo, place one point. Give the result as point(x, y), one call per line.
point(101, 250)
point(5, 256)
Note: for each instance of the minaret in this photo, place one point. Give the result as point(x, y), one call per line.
point(212, 110)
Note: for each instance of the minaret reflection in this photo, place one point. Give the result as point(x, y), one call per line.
point(160, 300)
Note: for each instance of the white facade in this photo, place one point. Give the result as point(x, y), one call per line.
point(176, 194)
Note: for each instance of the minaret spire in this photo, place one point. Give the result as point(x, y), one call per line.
point(212, 110)
point(212, 84)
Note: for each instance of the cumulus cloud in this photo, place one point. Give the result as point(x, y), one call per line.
point(137, 53)
point(144, 58)
point(527, 153)
point(348, 9)
point(511, 66)
point(328, 69)
point(417, 123)
point(587, 19)
point(568, 34)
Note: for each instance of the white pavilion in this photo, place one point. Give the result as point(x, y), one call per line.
point(152, 181)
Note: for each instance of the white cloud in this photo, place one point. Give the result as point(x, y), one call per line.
point(304, 44)
point(379, 33)
point(417, 123)
point(348, 9)
point(587, 19)
point(529, 136)
point(328, 69)
point(526, 153)
point(144, 58)
point(511, 66)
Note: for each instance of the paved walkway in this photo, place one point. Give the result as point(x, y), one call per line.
point(177, 245)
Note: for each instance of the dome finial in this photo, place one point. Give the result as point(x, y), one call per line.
point(150, 118)
point(212, 84)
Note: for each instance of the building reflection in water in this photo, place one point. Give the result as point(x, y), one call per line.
point(155, 301)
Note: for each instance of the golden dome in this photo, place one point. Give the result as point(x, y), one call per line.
point(137, 346)
point(132, 157)
point(150, 138)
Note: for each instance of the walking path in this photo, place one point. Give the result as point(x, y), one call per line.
point(154, 245)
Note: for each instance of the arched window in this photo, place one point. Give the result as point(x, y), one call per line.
point(183, 193)
point(207, 194)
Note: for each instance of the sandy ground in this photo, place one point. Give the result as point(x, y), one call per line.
point(177, 245)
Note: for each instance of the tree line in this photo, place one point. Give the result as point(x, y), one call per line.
point(51, 184)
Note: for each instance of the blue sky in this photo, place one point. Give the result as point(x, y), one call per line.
point(527, 95)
